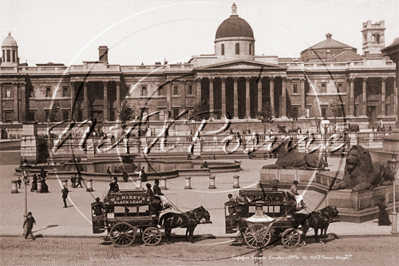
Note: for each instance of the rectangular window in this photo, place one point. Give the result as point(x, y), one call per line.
point(8, 56)
point(160, 91)
point(143, 90)
point(48, 92)
point(31, 115)
point(8, 116)
point(64, 91)
point(295, 88)
point(340, 87)
point(65, 115)
point(161, 114)
point(47, 114)
point(323, 111)
point(8, 92)
point(190, 89)
point(323, 88)
point(175, 90)
point(13, 56)
point(175, 112)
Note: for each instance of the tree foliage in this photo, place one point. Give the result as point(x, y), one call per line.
point(126, 113)
point(266, 114)
point(200, 111)
point(337, 108)
point(54, 111)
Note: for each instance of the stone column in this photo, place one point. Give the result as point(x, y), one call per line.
point(183, 85)
point(223, 96)
point(235, 98)
point(284, 98)
point(16, 107)
point(73, 111)
point(383, 96)
point(303, 98)
point(396, 102)
point(1, 102)
point(23, 102)
point(272, 94)
point(211, 104)
point(85, 102)
point(118, 97)
point(352, 97)
point(247, 97)
point(260, 94)
point(105, 112)
point(364, 102)
point(198, 88)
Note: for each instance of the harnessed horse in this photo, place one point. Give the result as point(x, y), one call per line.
point(317, 220)
point(188, 220)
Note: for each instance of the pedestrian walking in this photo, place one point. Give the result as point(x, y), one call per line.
point(73, 181)
point(125, 176)
point(113, 186)
point(42, 172)
point(19, 182)
point(79, 182)
point(44, 186)
point(109, 173)
point(383, 217)
point(65, 192)
point(28, 226)
point(142, 175)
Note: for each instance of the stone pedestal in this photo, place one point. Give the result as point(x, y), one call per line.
point(29, 143)
point(360, 206)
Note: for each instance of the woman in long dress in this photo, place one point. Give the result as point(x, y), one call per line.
point(383, 217)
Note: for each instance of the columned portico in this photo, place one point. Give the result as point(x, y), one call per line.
point(73, 101)
point(16, 106)
point(303, 97)
point(364, 97)
point(351, 97)
point(118, 97)
point(260, 94)
point(383, 96)
point(198, 89)
point(285, 83)
point(85, 102)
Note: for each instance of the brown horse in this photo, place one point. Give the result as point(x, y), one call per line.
point(317, 220)
point(188, 220)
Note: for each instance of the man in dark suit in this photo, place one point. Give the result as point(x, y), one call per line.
point(156, 188)
point(65, 192)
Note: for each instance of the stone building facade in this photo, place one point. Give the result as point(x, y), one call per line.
point(233, 81)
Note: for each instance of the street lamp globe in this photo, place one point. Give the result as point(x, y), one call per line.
point(325, 123)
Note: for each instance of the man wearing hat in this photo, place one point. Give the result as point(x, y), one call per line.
point(293, 193)
point(98, 207)
point(28, 226)
point(156, 188)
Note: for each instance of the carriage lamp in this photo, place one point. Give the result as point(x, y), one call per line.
point(25, 169)
point(325, 123)
point(394, 165)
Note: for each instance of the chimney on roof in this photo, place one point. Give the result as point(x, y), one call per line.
point(103, 53)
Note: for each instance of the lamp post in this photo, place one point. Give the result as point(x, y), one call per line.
point(25, 169)
point(325, 123)
point(394, 165)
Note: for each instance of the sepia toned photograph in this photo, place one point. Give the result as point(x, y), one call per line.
point(172, 132)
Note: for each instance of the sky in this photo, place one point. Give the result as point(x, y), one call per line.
point(149, 31)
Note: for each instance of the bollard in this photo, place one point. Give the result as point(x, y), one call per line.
point(212, 182)
point(188, 182)
point(236, 181)
point(163, 184)
point(14, 187)
point(138, 183)
point(65, 183)
point(89, 185)
point(39, 186)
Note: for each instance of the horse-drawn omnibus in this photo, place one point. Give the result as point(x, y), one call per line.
point(283, 211)
point(125, 212)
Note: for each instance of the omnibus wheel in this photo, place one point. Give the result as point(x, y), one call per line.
point(291, 238)
point(122, 234)
point(253, 243)
point(151, 236)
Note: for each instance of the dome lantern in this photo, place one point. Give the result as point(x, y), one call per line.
point(9, 49)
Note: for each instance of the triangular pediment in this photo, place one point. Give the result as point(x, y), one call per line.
point(240, 65)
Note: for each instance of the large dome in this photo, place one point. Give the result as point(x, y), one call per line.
point(234, 26)
point(9, 41)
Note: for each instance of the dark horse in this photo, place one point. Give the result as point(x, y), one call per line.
point(317, 220)
point(188, 220)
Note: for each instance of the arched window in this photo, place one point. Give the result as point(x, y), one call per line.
point(377, 38)
point(222, 50)
point(237, 48)
point(250, 48)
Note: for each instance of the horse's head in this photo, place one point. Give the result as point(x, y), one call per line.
point(330, 212)
point(202, 215)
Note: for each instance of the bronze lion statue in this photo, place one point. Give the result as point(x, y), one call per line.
point(361, 174)
point(289, 157)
